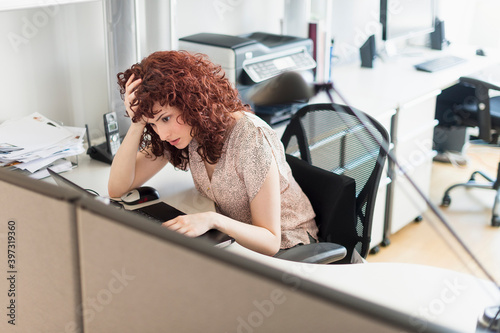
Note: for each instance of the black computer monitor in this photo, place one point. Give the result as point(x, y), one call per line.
point(405, 19)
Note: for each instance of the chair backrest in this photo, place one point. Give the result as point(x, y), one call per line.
point(331, 137)
point(482, 112)
point(469, 104)
point(333, 198)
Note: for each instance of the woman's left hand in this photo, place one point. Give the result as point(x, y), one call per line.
point(192, 225)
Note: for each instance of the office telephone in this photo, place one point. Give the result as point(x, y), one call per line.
point(112, 133)
point(105, 151)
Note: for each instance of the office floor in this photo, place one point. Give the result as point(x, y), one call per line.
point(469, 215)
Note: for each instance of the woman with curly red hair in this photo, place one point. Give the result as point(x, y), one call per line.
point(185, 111)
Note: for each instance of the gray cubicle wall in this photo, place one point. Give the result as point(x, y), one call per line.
point(85, 266)
point(40, 277)
point(172, 283)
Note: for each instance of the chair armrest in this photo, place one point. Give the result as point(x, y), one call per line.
point(479, 83)
point(316, 253)
point(483, 105)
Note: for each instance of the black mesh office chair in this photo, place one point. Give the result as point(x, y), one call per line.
point(331, 138)
point(468, 104)
point(333, 198)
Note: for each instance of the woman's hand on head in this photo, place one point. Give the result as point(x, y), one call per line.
point(192, 225)
point(130, 98)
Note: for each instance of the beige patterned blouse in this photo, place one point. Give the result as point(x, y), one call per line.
point(240, 173)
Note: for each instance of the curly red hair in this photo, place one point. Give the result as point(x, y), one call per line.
point(194, 85)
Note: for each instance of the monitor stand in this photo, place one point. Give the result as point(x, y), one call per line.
point(394, 49)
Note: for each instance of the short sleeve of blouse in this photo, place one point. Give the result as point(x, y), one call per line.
point(257, 146)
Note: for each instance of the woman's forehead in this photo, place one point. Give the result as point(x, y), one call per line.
point(158, 110)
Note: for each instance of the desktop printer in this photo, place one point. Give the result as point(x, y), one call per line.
point(252, 59)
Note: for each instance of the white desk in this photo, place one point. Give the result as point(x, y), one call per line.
point(441, 296)
point(175, 187)
point(394, 81)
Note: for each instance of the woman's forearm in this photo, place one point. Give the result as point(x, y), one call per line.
point(253, 237)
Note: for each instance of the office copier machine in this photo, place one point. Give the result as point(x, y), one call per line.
point(250, 60)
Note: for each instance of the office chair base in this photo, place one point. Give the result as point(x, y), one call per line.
point(386, 242)
point(495, 221)
point(477, 141)
point(454, 158)
point(491, 184)
point(375, 250)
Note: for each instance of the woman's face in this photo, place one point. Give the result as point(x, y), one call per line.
point(169, 126)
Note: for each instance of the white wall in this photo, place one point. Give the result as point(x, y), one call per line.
point(53, 63)
point(232, 17)
point(352, 23)
point(471, 22)
point(54, 59)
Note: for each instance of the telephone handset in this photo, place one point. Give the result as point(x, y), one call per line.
point(112, 133)
point(107, 150)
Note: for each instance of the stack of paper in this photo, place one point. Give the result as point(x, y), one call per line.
point(34, 142)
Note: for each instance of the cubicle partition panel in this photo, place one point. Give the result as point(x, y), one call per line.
point(40, 280)
point(140, 277)
point(74, 264)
